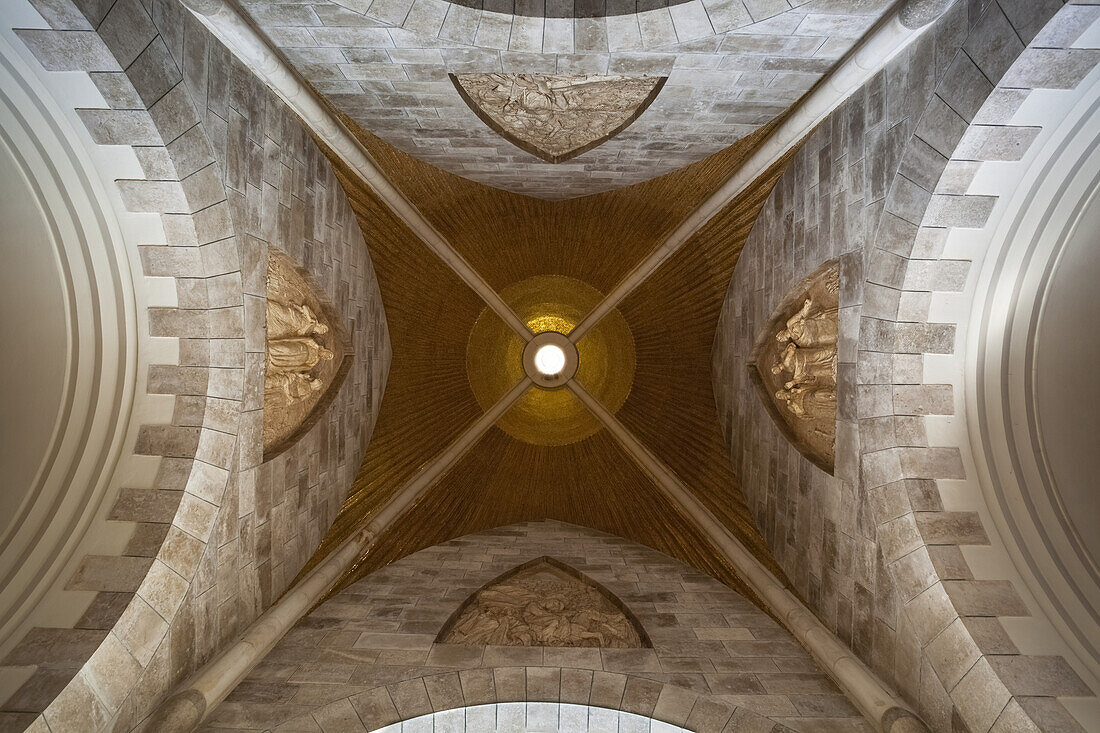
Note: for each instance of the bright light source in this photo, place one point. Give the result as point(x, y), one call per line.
point(549, 359)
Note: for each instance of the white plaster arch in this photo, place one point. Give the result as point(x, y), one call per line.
point(559, 717)
point(62, 515)
point(1044, 200)
point(197, 466)
point(1053, 201)
point(1013, 191)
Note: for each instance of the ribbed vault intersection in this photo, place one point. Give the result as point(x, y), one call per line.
point(553, 339)
point(674, 238)
point(550, 266)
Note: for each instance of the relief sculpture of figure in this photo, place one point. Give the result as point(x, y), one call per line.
point(293, 346)
point(298, 354)
point(305, 351)
point(806, 404)
point(807, 366)
point(797, 365)
point(532, 95)
point(556, 113)
point(809, 328)
point(295, 386)
point(538, 611)
point(287, 320)
point(547, 104)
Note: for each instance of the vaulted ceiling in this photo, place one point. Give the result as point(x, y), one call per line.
point(413, 81)
point(509, 475)
point(731, 67)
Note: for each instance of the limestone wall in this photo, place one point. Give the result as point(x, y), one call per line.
point(367, 657)
point(731, 67)
point(231, 173)
point(882, 550)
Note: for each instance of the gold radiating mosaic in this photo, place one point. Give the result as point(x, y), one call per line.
point(606, 360)
point(503, 479)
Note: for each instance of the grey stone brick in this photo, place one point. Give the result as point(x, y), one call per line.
point(116, 89)
point(127, 29)
point(941, 127)
point(993, 44)
point(62, 15)
point(154, 72)
point(153, 196)
point(982, 143)
point(969, 212)
point(1064, 28)
point(964, 87)
point(1027, 18)
point(68, 50)
point(951, 528)
point(119, 127)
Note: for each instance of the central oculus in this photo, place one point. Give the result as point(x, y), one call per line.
point(550, 360)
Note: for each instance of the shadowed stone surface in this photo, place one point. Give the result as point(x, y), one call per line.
point(731, 67)
point(709, 643)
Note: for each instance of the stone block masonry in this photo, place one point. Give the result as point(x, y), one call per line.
point(731, 68)
point(717, 663)
point(231, 173)
point(879, 550)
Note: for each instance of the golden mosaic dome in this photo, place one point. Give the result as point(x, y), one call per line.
point(605, 360)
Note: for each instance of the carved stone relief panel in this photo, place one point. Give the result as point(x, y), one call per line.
point(794, 364)
point(557, 116)
point(307, 356)
point(544, 603)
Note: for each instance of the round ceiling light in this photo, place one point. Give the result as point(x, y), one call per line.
point(603, 361)
point(550, 359)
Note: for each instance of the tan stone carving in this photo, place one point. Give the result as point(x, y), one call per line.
point(542, 605)
point(306, 351)
point(799, 351)
point(557, 116)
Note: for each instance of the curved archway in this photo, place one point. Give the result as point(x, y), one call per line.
point(1029, 334)
point(967, 553)
point(377, 638)
point(563, 717)
point(580, 706)
point(71, 330)
point(899, 554)
point(198, 494)
point(584, 703)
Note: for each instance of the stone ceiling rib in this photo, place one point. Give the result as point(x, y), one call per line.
point(876, 701)
point(428, 402)
point(730, 67)
point(200, 695)
point(592, 482)
point(595, 238)
point(409, 494)
point(194, 700)
point(445, 459)
point(230, 26)
point(887, 39)
point(674, 315)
